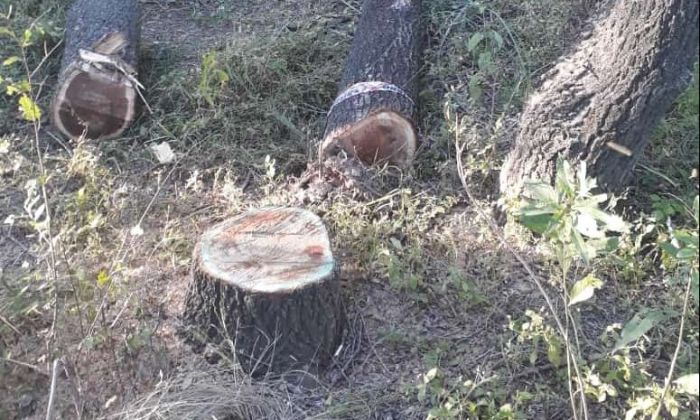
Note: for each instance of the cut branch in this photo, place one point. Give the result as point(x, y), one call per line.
point(267, 281)
point(97, 89)
point(372, 117)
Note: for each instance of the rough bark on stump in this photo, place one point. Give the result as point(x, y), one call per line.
point(96, 92)
point(267, 281)
point(601, 103)
point(372, 117)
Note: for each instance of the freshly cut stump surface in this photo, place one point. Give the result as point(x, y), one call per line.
point(97, 89)
point(372, 118)
point(267, 281)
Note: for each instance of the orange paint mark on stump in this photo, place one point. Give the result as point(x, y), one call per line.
point(314, 251)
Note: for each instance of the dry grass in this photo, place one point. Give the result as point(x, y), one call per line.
point(426, 282)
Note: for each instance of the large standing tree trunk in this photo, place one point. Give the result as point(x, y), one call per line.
point(96, 93)
point(372, 117)
point(267, 281)
point(601, 103)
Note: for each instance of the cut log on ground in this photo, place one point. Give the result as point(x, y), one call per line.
point(372, 117)
point(601, 103)
point(97, 89)
point(267, 281)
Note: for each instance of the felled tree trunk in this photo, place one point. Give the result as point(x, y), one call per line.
point(97, 88)
point(267, 281)
point(601, 103)
point(372, 116)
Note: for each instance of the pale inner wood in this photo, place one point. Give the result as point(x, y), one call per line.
point(268, 250)
point(99, 104)
point(382, 137)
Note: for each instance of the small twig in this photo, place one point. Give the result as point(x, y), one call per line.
point(9, 324)
point(35, 368)
point(52, 390)
point(659, 174)
point(353, 8)
point(116, 318)
point(669, 377)
point(46, 56)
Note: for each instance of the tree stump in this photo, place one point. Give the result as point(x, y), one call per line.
point(97, 89)
point(267, 281)
point(372, 116)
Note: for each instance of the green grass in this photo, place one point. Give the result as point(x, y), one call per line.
point(428, 285)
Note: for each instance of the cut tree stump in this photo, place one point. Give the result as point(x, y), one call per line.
point(267, 281)
point(372, 116)
point(97, 88)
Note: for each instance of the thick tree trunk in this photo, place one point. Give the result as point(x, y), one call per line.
point(601, 103)
point(267, 281)
point(372, 117)
point(96, 93)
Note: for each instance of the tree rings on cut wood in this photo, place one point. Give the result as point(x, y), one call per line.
point(97, 93)
point(372, 117)
point(266, 282)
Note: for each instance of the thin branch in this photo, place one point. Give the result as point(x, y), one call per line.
point(52, 390)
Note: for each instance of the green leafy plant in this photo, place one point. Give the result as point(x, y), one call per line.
point(535, 331)
point(682, 250)
point(483, 46)
point(576, 230)
point(462, 398)
point(15, 74)
point(213, 78)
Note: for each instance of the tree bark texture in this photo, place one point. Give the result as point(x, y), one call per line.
point(372, 117)
point(96, 92)
point(601, 103)
point(267, 283)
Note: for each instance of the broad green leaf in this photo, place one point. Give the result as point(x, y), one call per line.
point(30, 110)
point(5, 31)
point(497, 38)
point(583, 289)
point(564, 179)
point(583, 187)
point(485, 62)
point(610, 221)
point(554, 352)
point(587, 226)
point(586, 251)
point(541, 192)
point(475, 89)
point(535, 210)
point(688, 384)
point(687, 254)
point(538, 223)
point(19, 87)
point(668, 248)
point(11, 60)
point(639, 325)
point(686, 238)
point(27, 38)
point(474, 41)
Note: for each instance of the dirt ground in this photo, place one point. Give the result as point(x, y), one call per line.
point(120, 349)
